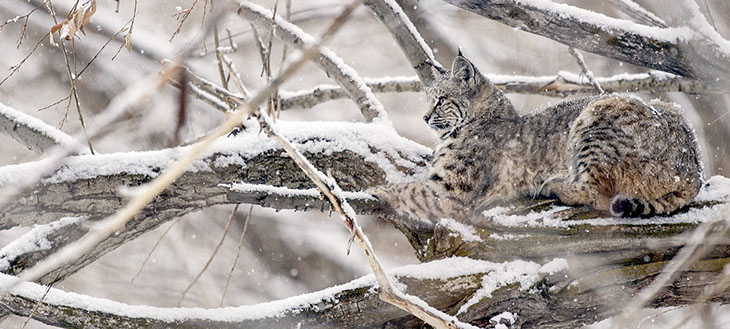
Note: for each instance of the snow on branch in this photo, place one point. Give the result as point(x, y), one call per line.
point(328, 61)
point(564, 84)
point(678, 50)
point(405, 34)
point(351, 305)
point(637, 12)
point(32, 132)
point(358, 155)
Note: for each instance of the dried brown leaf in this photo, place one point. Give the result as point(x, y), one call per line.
point(74, 22)
point(128, 42)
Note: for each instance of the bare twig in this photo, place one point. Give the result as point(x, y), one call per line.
point(16, 67)
point(212, 255)
point(182, 17)
point(218, 54)
point(36, 306)
point(127, 37)
point(24, 28)
point(72, 78)
point(238, 252)
point(584, 69)
point(149, 254)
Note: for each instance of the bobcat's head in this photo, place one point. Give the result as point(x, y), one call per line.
point(451, 95)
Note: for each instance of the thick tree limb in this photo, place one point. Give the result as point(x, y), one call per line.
point(330, 63)
point(357, 155)
point(680, 51)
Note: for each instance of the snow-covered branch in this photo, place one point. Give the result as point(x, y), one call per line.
point(442, 283)
point(405, 34)
point(564, 84)
point(357, 155)
point(637, 12)
point(30, 131)
point(678, 50)
point(328, 61)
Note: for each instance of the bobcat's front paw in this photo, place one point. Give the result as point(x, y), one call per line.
point(381, 194)
point(398, 200)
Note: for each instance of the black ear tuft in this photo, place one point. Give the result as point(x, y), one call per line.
point(458, 50)
point(463, 71)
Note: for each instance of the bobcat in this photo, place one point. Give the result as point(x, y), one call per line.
point(616, 154)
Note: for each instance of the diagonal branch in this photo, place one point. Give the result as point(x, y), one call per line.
point(405, 34)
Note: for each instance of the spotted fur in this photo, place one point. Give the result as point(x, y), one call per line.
point(617, 154)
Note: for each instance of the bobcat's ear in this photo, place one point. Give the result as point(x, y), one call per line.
point(463, 71)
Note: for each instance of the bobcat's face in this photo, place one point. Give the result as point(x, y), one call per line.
point(445, 115)
point(452, 94)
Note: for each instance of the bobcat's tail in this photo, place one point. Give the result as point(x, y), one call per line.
point(628, 206)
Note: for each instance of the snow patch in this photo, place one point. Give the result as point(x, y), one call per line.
point(467, 232)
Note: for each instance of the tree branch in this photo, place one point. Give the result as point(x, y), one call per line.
point(327, 60)
point(680, 51)
point(637, 12)
point(405, 34)
point(32, 132)
point(352, 305)
point(564, 84)
point(358, 156)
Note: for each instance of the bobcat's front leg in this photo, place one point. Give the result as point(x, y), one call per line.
point(418, 201)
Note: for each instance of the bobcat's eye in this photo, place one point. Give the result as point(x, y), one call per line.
point(439, 102)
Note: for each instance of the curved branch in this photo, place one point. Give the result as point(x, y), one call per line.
point(327, 60)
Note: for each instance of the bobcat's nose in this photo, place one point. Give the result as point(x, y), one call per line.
point(426, 117)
